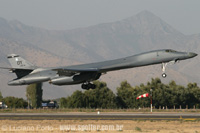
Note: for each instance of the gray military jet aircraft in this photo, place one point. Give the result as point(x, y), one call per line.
point(27, 73)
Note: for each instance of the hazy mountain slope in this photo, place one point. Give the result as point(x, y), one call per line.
point(52, 41)
point(142, 32)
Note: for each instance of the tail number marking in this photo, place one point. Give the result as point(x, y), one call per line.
point(19, 62)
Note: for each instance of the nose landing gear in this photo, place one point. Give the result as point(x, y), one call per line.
point(164, 75)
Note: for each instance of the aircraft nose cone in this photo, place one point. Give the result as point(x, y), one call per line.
point(192, 54)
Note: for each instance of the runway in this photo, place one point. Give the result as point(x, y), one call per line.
point(101, 116)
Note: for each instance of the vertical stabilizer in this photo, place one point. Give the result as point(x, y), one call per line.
point(20, 66)
point(18, 62)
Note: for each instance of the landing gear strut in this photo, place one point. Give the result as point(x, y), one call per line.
point(164, 75)
point(87, 86)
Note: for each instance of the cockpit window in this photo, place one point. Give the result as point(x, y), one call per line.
point(170, 50)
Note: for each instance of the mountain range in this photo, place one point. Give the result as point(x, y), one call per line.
point(139, 33)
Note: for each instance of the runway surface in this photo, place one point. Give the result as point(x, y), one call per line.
point(101, 116)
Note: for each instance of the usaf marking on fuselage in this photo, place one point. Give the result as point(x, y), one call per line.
point(27, 73)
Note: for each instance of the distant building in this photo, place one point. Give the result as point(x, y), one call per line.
point(51, 104)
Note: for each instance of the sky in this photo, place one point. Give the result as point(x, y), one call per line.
point(183, 15)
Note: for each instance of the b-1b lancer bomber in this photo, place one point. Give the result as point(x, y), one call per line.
point(27, 73)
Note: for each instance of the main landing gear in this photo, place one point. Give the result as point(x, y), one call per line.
point(87, 86)
point(164, 75)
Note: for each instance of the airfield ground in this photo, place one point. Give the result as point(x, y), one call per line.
point(99, 126)
point(182, 121)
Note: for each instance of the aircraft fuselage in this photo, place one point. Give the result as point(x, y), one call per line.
point(93, 71)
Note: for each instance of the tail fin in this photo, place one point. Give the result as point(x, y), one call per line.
point(20, 66)
point(18, 62)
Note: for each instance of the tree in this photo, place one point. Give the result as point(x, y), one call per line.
point(106, 98)
point(169, 95)
point(13, 102)
point(101, 97)
point(193, 95)
point(123, 94)
point(34, 94)
point(76, 100)
point(1, 97)
point(63, 103)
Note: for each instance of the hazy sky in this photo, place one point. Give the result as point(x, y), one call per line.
point(183, 15)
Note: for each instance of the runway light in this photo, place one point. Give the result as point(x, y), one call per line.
point(98, 112)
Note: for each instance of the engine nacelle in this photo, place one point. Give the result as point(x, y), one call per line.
point(75, 79)
point(62, 80)
point(28, 80)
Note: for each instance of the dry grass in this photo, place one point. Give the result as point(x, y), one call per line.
point(99, 126)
